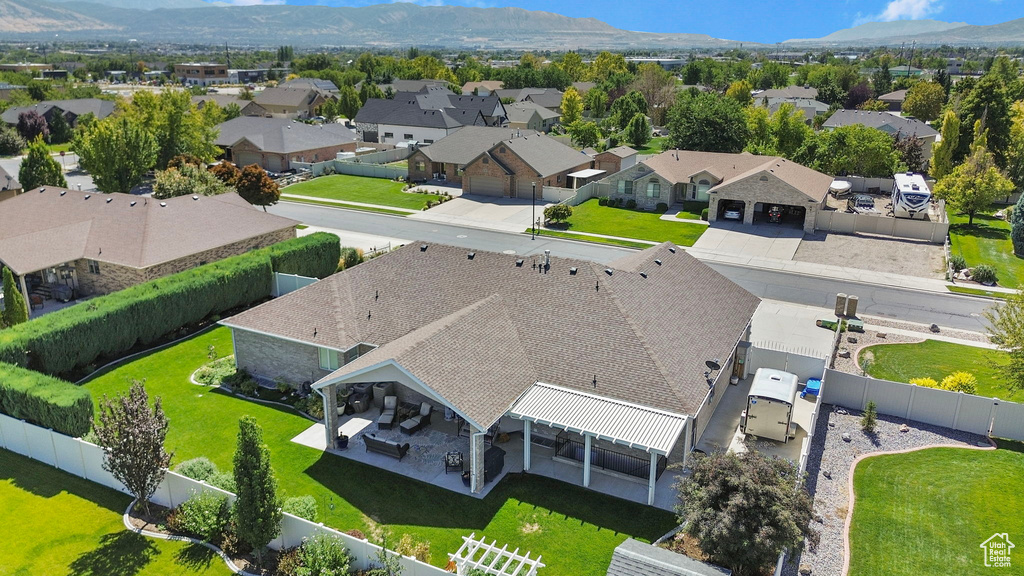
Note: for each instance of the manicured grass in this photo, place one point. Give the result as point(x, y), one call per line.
point(346, 206)
point(594, 239)
point(655, 146)
point(987, 241)
point(976, 291)
point(597, 219)
point(926, 513)
point(360, 189)
point(65, 147)
point(54, 523)
point(576, 530)
point(935, 359)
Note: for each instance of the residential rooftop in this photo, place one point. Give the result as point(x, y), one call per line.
point(283, 135)
point(884, 121)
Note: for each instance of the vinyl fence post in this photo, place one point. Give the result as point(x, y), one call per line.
point(956, 413)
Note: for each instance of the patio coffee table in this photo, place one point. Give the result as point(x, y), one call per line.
point(407, 410)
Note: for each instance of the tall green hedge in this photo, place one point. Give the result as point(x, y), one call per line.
point(44, 400)
point(315, 255)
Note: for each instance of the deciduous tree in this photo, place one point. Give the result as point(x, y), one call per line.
point(257, 511)
point(744, 509)
point(60, 129)
point(987, 102)
point(572, 106)
point(15, 310)
point(256, 186)
point(638, 131)
point(31, 126)
point(186, 180)
point(924, 101)
point(349, 102)
point(625, 107)
point(117, 151)
point(584, 134)
point(227, 172)
point(39, 168)
point(706, 122)
point(740, 91)
point(176, 125)
point(1006, 326)
point(132, 435)
point(11, 143)
point(596, 101)
point(572, 64)
point(854, 150)
point(975, 184)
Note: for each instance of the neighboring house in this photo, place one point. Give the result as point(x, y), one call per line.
point(201, 73)
point(290, 102)
point(809, 107)
point(530, 116)
point(608, 358)
point(635, 558)
point(788, 92)
point(511, 167)
point(614, 159)
point(746, 183)
point(889, 123)
point(274, 143)
point(447, 158)
point(894, 100)
point(425, 116)
point(9, 185)
point(583, 87)
point(549, 98)
point(71, 109)
point(413, 85)
point(484, 88)
point(325, 87)
point(246, 107)
point(97, 243)
point(6, 89)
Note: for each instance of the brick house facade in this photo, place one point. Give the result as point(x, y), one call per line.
point(245, 153)
point(423, 168)
point(516, 175)
point(646, 187)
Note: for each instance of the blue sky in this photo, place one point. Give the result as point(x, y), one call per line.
point(753, 20)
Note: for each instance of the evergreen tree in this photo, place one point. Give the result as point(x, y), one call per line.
point(15, 310)
point(881, 80)
point(1017, 227)
point(638, 131)
point(257, 511)
point(975, 184)
point(349, 102)
point(60, 130)
point(942, 152)
point(39, 168)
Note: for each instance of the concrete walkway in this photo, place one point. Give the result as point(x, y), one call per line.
point(672, 213)
point(930, 336)
point(343, 203)
point(593, 235)
point(504, 214)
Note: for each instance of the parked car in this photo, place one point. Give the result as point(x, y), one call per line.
point(733, 212)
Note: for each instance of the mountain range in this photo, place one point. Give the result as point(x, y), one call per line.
point(400, 24)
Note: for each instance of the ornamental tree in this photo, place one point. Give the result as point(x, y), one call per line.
point(15, 310)
point(31, 126)
point(39, 168)
point(706, 122)
point(132, 435)
point(744, 509)
point(975, 184)
point(227, 172)
point(638, 131)
point(942, 153)
point(1006, 326)
point(584, 134)
point(117, 151)
point(257, 511)
point(188, 179)
point(558, 212)
point(257, 187)
point(572, 106)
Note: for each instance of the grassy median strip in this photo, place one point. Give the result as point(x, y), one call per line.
point(346, 206)
point(977, 292)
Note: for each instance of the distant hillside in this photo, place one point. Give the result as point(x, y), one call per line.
point(144, 4)
point(381, 25)
point(924, 33)
point(885, 30)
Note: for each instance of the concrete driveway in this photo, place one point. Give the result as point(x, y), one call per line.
point(758, 240)
point(504, 214)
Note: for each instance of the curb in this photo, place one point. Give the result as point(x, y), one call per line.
point(853, 468)
point(176, 538)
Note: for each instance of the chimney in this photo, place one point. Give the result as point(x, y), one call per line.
point(547, 258)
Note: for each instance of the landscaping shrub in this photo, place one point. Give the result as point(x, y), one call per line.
point(324, 555)
point(301, 506)
point(661, 207)
point(289, 562)
point(246, 386)
point(602, 201)
point(223, 480)
point(926, 382)
point(205, 514)
point(214, 373)
point(315, 255)
point(870, 417)
point(197, 468)
point(350, 257)
point(409, 547)
point(631, 204)
point(44, 401)
point(984, 273)
point(704, 214)
point(960, 382)
point(558, 212)
point(957, 262)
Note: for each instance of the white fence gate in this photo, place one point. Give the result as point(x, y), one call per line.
point(85, 460)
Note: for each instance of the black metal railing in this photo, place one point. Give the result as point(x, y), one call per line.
point(605, 459)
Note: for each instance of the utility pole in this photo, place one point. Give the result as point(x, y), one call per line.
point(533, 236)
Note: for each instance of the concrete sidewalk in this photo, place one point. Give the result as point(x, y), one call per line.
point(343, 203)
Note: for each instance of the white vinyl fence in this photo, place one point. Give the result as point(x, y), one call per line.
point(285, 283)
point(847, 223)
point(352, 169)
point(874, 185)
point(557, 195)
point(955, 410)
point(85, 460)
point(381, 157)
point(803, 363)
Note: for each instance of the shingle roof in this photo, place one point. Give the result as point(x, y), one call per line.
point(8, 181)
point(621, 151)
point(573, 327)
point(278, 96)
point(43, 229)
point(523, 111)
point(550, 98)
point(100, 108)
point(489, 85)
point(884, 121)
point(894, 96)
point(634, 558)
point(413, 85)
point(679, 165)
point(405, 112)
point(546, 155)
point(789, 92)
point(315, 83)
point(281, 135)
point(468, 142)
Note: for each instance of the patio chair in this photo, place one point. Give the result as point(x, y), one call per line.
point(453, 461)
point(387, 413)
point(417, 422)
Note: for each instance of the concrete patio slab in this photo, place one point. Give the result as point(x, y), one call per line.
point(790, 327)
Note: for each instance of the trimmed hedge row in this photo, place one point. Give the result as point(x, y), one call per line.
point(44, 400)
point(62, 341)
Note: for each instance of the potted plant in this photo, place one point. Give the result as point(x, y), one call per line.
point(342, 441)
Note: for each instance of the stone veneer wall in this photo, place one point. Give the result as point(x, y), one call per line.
point(276, 359)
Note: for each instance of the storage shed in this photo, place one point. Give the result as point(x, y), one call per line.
point(770, 404)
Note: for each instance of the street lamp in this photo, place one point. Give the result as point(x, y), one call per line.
point(533, 236)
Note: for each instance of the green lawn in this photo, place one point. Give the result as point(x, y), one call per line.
point(926, 513)
point(597, 219)
point(54, 523)
point(977, 292)
point(987, 241)
point(575, 530)
point(594, 239)
point(65, 147)
point(361, 189)
point(655, 146)
point(935, 359)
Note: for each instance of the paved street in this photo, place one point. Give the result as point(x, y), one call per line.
point(950, 310)
point(74, 177)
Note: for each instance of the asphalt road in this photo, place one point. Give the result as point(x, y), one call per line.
point(75, 178)
point(948, 310)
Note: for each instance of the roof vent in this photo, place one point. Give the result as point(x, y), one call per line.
point(643, 274)
point(672, 250)
point(41, 190)
point(423, 247)
point(471, 255)
point(108, 200)
point(87, 196)
point(163, 204)
point(572, 271)
point(63, 192)
point(658, 262)
point(132, 203)
point(195, 197)
point(608, 271)
point(519, 262)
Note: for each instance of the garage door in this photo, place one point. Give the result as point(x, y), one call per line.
point(486, 186)
point(525, 190)
point(274, 163)
point(243, 159)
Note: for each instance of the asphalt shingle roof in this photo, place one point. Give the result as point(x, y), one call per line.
point(408, 113)
point(523, 111)
point(884, 121)
point(484, 329)
point(789, 92)
point(100, 108)
point(468, 142)
point(286, 97)
point(282, 135)
point(634, 558)
point(546, 155)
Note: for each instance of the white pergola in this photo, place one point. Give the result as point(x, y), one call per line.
point(639, 427)
point(479, 555)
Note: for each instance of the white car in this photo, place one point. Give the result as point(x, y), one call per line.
point(732, 214)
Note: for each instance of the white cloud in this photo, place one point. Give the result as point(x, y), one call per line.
point(903, 10)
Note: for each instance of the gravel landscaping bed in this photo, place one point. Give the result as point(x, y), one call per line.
point(828, 473)
point(872, 252)
point(923, 329)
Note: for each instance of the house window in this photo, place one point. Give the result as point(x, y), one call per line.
point(428, 141)
point(351, 354)
point(625, 187)
point(389, 134)
point(94, 267)
point(654, 189)
point(420, 166)
point(407, 136)
point(328, 359)
point(486, 161)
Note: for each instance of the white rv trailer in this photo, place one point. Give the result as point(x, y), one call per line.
point(911, 197)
